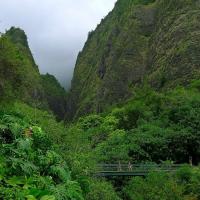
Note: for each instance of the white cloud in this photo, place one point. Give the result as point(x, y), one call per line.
point(57, 29)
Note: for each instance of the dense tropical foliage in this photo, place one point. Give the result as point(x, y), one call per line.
point(45, 159)
point(30, 167)
point(152, 127)
point(138, 77)
point(183, 185)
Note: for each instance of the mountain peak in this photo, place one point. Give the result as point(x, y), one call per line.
point(17, 36)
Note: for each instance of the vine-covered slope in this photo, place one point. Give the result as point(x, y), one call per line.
point(144, 39)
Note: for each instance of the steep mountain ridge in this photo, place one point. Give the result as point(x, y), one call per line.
point(18, 37)
point(153, 40)
point(20, 78)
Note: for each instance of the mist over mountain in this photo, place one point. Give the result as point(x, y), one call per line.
point(57, 32)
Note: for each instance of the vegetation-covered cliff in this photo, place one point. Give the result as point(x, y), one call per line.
point(139, 40)
point(20, 78)
point(31, 166)
point(55, 95)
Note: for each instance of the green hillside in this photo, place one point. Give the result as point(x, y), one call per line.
point(138, 40)
point(20, 78)
point(19, 74)
point(55, 95)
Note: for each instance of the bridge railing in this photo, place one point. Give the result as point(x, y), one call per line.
point(136, 167)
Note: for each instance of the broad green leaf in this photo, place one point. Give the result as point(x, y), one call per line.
point(30, 197)
point(16, 180)
point(48, 197)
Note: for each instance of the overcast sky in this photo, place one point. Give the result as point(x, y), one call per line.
point(56, 29)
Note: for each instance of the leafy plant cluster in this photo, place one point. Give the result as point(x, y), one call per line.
point(30, 167)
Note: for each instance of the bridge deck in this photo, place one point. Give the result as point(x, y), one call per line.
point(133, 169)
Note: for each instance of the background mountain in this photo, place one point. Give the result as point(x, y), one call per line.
point(55, 95)
point(139, 40)
point(20, 78)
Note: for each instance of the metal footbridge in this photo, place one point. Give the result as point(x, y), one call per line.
point(119, 169)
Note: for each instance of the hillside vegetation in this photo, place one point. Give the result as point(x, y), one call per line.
point(20, 78)
point(153, 127)
point(30, 167)
point(45, 159)
point(19, 74)
point(139, 40)
point(55, 95)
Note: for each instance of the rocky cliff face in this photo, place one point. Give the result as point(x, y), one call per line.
point(139, 39)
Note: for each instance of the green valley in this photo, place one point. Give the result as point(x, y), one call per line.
point(134, 101)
